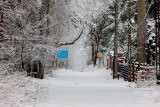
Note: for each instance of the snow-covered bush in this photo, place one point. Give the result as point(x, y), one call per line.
point(17, 90)
point(6, 69)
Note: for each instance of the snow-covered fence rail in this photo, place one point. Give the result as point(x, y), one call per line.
point(136, 73)
point(144, 75)
point(144, 78)
point(139, 75)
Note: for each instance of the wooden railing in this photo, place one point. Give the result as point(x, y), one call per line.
point(133, 73)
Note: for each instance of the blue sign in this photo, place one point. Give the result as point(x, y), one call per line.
point(62, 54)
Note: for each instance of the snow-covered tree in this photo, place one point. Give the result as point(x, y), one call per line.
point(27, 25)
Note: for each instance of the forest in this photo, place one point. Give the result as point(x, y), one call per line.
point(32, 31)
point(79, 53)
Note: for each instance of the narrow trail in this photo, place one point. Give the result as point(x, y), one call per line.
point(94, 89)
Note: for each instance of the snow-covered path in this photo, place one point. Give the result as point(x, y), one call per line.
point(94, 89)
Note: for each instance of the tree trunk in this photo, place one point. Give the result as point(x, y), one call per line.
point(1, 23)
point(93, 53)
point(97, 47)
point(44, 11)
point(141, 33)
point(92, 45)
point(47, 6)
point(22, 61)
point(95, 57)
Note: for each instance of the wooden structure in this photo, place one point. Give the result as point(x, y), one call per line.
point(35, 69)
point(139, 75)
point(144, 73)
point(135, 73)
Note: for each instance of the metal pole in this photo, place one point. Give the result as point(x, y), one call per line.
point(67, 64)
point(115, 70)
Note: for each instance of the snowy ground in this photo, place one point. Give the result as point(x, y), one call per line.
point(95, 88)
point(18, 90)
point(91, 88)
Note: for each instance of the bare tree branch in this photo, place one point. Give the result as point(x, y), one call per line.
point(74, 41)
